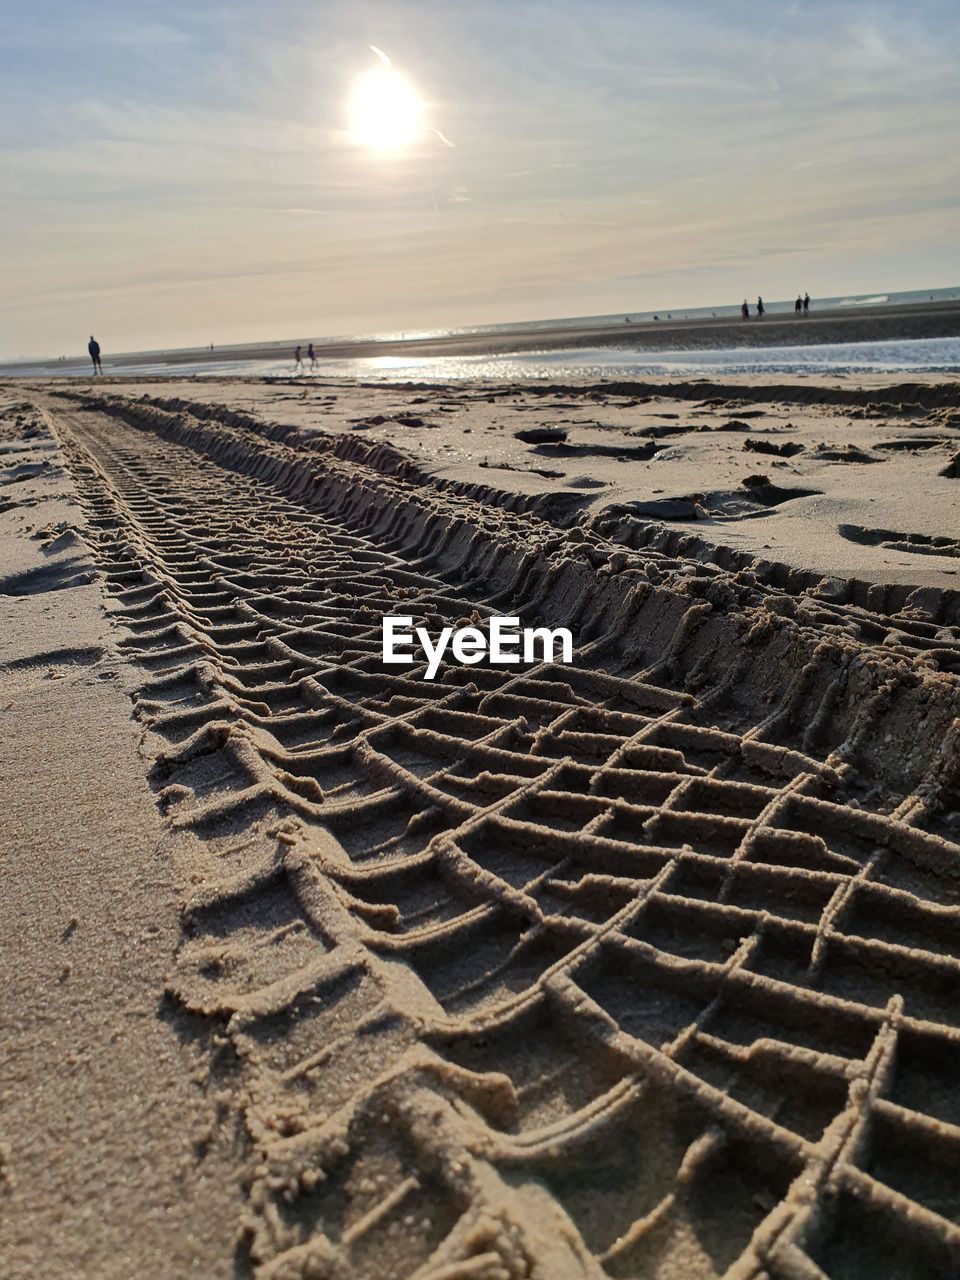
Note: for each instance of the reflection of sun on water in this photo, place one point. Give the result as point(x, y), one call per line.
point(384, 110)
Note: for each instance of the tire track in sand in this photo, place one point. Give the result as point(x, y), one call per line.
point(644, 966)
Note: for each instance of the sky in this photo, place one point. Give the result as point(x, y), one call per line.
point(179, 174)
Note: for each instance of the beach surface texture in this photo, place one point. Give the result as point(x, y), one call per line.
point(646, 965)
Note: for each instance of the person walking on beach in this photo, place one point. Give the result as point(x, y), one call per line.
point(760, 309)
point(744, 311)
point(313, 357)
point(806, 304)
point(297, 361)
point(93, 346)
point(798, 305)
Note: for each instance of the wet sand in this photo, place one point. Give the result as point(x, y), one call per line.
point(642, 966)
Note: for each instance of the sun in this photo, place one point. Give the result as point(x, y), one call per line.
point(385, 110)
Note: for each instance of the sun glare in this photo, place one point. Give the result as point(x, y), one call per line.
point(384, 110)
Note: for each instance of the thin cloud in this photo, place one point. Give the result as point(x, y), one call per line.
point(159, 189)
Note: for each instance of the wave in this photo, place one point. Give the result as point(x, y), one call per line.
point(865, 302)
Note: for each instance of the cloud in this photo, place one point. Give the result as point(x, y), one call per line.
point(195, 168)
point(442, 137)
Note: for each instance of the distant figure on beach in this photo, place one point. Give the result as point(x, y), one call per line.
point(298, 361)
point(798, 305)
point(806, 303)
point(93, 346)
point(760, 308)
point(744, 310)
point(313, 356)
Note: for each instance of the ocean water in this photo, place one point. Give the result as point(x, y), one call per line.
point(924, 355)
point(921, 355)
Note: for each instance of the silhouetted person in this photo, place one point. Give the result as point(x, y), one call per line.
point(744, 310)
point(93, 346)
point(297, 361)
point(313, 356)
point(806, 303)
point(798, 305)
point(760, 308)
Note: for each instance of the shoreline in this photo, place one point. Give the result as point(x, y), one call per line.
point(886, 323)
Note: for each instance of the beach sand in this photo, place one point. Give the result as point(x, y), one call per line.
point(642, 966)
point(861, 477)
point(106, 1091)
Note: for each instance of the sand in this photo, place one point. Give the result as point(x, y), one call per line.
point(104, 1092)
point(856, 468)
point(645, 966)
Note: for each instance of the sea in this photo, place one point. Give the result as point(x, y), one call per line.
point(921, 355)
